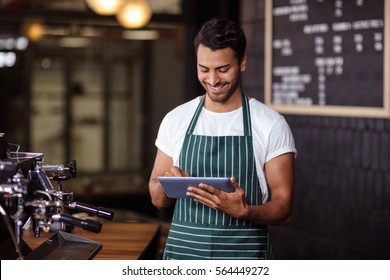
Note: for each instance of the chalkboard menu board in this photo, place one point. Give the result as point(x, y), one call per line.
point(328, 57)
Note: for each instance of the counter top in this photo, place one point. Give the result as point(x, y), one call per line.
point(120, 241)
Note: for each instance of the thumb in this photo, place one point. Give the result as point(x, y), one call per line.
point(234, 182)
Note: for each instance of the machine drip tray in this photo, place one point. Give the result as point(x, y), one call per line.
point(65, 246)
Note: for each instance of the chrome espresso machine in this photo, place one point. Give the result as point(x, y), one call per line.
point(29, 201)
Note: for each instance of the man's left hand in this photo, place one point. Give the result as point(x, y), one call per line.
point(233, 203)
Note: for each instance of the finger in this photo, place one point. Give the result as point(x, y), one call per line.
point(177, 172)
point(209, 189)
point(204, 198)
point(234, 182)
point(198, 192)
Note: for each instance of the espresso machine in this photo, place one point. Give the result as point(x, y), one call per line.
point(28, 199)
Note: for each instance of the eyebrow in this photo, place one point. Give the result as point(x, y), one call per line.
point(219, 67)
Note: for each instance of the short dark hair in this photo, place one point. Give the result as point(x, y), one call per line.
point(220, 33)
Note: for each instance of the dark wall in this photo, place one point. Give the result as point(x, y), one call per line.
point(342, 203)
point(197, 12)
point(15, 95)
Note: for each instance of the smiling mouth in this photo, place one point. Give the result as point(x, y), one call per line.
point(217, 88)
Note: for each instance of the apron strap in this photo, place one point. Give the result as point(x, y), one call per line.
point(195, 117)
point(246, 115)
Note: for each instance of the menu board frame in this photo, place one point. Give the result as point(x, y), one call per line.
point(327, 110)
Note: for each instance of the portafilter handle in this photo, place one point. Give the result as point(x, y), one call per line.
point(101, 212)
point(88, 224)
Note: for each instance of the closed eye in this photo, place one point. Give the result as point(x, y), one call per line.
point(224, 70)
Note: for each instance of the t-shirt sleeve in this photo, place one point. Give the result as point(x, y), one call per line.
point(163, 137)
point(173, 127)
point(280, 140)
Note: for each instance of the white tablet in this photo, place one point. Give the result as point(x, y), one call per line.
point(176, 187)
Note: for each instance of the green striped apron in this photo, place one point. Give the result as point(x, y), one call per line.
point(200, 232)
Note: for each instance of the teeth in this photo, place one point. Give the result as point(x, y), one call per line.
point(216, 88)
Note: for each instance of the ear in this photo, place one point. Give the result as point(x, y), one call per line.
point(243, 63)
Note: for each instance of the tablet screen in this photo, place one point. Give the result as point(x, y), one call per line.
point(176, 187)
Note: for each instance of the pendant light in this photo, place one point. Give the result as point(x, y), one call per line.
point(34, 30)
point(134, 14)
point(105, 7)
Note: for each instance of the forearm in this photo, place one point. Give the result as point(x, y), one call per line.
point(275, 212)
point(158, 196)
point(280, 178)
point(162, 166)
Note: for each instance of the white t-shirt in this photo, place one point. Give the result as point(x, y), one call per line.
point(271, 134)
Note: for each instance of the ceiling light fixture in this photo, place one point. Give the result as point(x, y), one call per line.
point(134, 14)
point(105, 7)
point(34, 30)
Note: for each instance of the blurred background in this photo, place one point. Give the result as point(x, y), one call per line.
point(78, 84)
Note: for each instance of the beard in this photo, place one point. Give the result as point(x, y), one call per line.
point(223, 97)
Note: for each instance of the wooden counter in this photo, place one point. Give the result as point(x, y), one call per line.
point(120, 241)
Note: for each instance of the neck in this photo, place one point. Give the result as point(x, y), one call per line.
point(233, 103)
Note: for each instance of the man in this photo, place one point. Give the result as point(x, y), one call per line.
point(224, 133)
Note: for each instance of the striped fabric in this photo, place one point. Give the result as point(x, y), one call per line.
point(202, 241)
point(200, 232)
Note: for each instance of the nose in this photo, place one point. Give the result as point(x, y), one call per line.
point(213, 78)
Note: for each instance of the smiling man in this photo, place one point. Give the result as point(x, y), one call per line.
point(224, 133)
